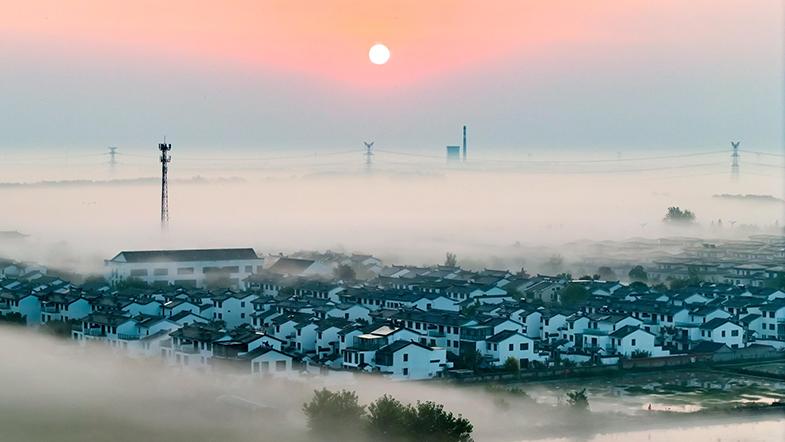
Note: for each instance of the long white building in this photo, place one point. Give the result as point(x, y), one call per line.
point(187, 268)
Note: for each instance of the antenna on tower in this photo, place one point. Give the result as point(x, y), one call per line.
point(734, 167)
point(165, 159)
point(112, 159)
point(368, 154)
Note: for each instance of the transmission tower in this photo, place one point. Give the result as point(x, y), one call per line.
point(112, 159)
point(368, 155)
point(165, 159)
point(734, 167)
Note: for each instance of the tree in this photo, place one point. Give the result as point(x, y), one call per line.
point(451, 260)
point(638, 274)
point(345, 272)
point(334, 415)
point(574, 294)
point(777, 283)
point(512, 365)
point(607, 274)
point(13, 319)
point(675, 215)
point(638, 354)
point(470, 359)
point(578, 400)
point(387, 419)
point(428, 421)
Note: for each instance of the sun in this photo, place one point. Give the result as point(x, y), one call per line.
point(379, 54)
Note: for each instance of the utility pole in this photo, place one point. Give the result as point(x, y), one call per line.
point(734, 167)
point(165, 159)
point(368, 155)
point(112, 159)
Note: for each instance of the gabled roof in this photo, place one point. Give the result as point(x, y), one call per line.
point(626, 331)
point(291, 266)
point(716, 322)
point(186, 255)
point(502, 336)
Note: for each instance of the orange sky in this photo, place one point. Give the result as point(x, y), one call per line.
point(323, 39)
point(615, 72)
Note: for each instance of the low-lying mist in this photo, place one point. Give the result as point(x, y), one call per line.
point(405, 213)
point(54, 390)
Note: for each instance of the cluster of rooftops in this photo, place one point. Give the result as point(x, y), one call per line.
point(444, 310)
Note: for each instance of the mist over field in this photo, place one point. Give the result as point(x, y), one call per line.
point(62, 392)
point(406, 210)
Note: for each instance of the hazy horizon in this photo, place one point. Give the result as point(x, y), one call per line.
point(632, 76)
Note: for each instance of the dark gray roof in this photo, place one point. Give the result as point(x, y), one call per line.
point(185, 255)
point(290, 266)
point(502, 335)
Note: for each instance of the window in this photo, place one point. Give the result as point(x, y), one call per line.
point(280, 365)
point(524, 346)
point(734, 333)
point(185, 271)
point(242, 304)
point(405, 357)
point(633, 342)
point(511, 347)
point(138, 272)
point(248, 269)
point(406, 372)
point(723, 333)
point(242, 315)
point(160, 272)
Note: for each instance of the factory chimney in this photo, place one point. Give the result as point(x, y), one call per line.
point(464, 143)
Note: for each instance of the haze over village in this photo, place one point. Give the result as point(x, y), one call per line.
point(392, 221)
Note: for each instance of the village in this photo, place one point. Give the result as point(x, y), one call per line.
point(335, 314)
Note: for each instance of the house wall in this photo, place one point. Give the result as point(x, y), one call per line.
point(121, 271)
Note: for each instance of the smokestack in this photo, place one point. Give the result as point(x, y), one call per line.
point(464, 143)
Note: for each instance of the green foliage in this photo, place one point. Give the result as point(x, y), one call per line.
point(574, 294)
point(333, 415)
point(470, 359)
point(337, 416)
point(451, 260)
point(13, 319)
point(638, 354)
point(60, 329)
point(607, 274)
point(387, 419)
point(776, 283)
point(638, 274)
point(679, 216)
point(567, 363)
point(345, 272)
point(428, 421)
point(511, 365)
point(578, 400)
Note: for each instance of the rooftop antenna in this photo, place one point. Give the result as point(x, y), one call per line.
point(464, 142)
point(112, 159)
point(368, 154)
point(165, 159)
point(734, 167)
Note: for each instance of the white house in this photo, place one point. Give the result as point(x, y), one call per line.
point(723, 331)
point(187, 268)
point(410, 360)
point(629, 340)
point(510, 344)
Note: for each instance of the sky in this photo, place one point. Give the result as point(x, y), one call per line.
point(275, 75)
